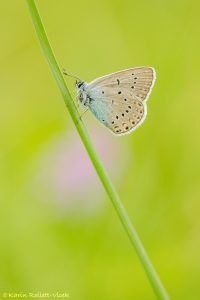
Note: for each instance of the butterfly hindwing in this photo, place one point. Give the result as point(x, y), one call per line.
point(120, 118)
point(118, 99)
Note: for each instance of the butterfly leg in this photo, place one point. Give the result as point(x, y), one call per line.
point(80, 116)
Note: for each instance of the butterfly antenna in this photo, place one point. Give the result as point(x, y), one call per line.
point(71, 75)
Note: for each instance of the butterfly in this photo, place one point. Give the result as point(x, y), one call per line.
point(118, 100)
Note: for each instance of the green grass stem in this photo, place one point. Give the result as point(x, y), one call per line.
point(104, 178)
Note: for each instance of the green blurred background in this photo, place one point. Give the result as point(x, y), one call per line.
point(58, 230)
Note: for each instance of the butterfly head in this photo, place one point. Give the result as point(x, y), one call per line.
point(82, 95)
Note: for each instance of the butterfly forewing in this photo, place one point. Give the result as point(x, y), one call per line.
point(138, 80)
point(118, 99)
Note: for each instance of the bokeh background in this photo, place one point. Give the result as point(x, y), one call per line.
point(58, 230)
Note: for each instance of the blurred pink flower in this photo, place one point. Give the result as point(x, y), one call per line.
point(68, 174)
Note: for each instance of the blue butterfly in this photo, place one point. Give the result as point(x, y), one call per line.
point(118, 100)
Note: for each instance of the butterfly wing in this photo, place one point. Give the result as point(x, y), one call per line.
point(118, 100)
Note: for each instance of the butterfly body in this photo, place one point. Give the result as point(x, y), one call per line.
point(118, 100)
